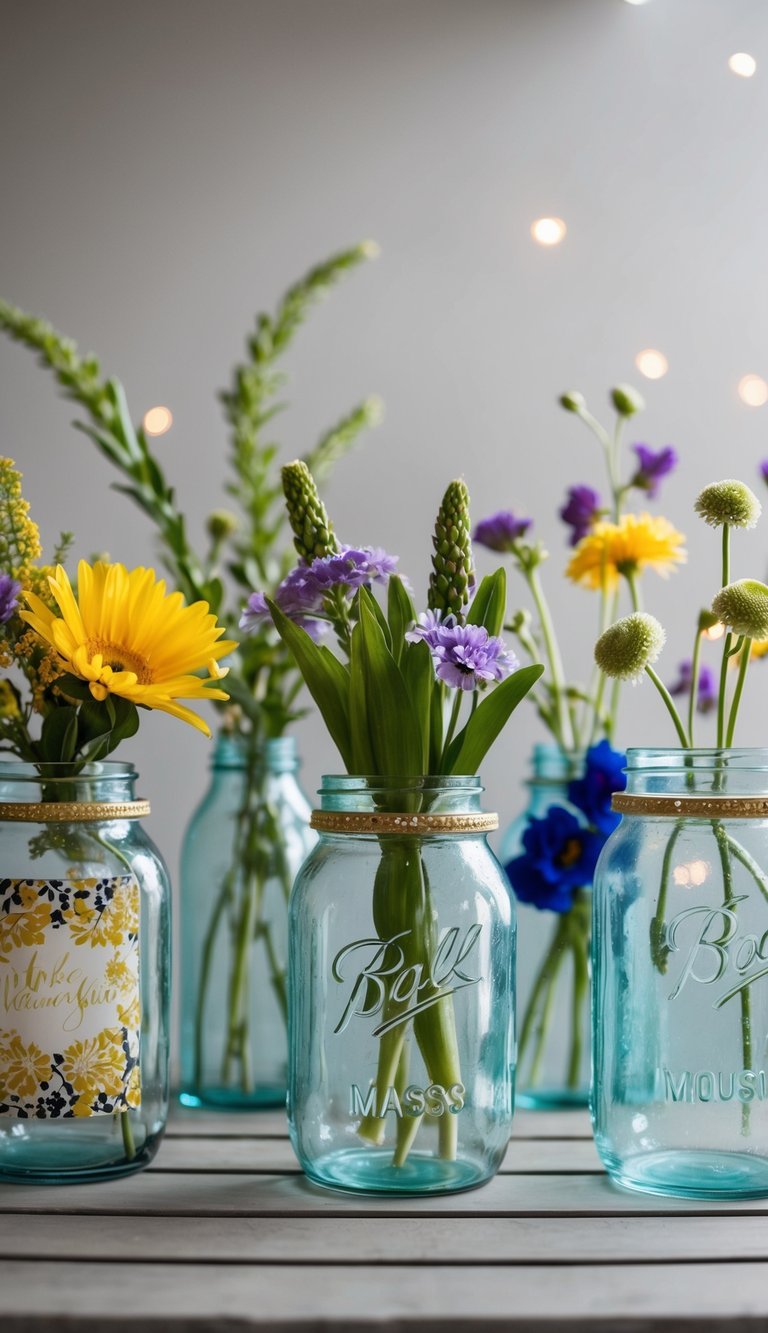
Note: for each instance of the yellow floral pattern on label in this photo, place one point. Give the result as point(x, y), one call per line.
point(70, 1009)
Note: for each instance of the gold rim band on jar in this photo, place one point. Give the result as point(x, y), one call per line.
point(71, 812)
point(697, 807)
point(333, 821)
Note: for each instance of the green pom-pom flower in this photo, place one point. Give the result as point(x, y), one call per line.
point(221, 524)
point(573, 402)
point(313, 533)
point(628, 647)
point(452, 571)
point(627, 400)
point(728, 502)
point(743, 607)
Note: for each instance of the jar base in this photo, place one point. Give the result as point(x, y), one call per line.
point(370, 1171)
point(231, 1099)
point(64, 1159)
point(551, 1099)
point(692, 1174)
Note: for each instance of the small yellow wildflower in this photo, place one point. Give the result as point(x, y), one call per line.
point(635, 543)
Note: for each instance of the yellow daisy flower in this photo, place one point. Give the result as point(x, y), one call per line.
point(635, 543)
point(124, 636)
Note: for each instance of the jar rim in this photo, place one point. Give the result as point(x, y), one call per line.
point(743, 758)
point(350, 783)
point(16, 770)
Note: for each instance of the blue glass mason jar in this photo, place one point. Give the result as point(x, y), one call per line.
point(241, 851)
point(401, 976)
point(553, 1060)
point(84, 975)
point(680, 1100)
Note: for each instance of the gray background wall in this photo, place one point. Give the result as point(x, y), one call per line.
point(169, 166)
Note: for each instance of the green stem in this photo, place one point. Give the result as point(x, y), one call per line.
point(659, 950)
point(721, 838)
point(225, 894)
point(670, 707)
point(694, 695)
point(746, 652)
point(634, 595)
point(452, 723)
point(557, 673)
point(725, 578)
point(539, 1001)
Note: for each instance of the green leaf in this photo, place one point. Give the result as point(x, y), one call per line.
point(126, 722)
point(73, 686)
point(365, 594)
point(401, 613)
point(394, 728)
point(473, 742)
point(362, 752)
point(58, 737)
point(325, 677)
point(489, 602)
point(419, 675)
point(93, 720)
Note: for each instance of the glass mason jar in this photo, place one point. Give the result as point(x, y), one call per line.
point(401, 976)
point(553, 1060)
point(84, 975)
point(242, 849)
point(681, 978)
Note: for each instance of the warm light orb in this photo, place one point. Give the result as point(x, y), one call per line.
point(158, 420)
point(548, 231)
point(753, 390)
point(742, 64)
point(651, 363)
point(637, 2)
point(714, 632)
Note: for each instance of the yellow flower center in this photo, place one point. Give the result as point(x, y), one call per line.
point(570, 853)
point(117, 657)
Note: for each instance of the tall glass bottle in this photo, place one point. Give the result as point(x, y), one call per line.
point(553, 960)
point(242, 849)
point(84, 975)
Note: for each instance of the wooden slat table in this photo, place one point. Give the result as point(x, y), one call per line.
point(224, 1233)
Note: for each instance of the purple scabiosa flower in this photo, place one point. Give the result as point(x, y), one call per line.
point(603, 775)
point(581, 508)
point(501, 531)
point(559, 857)
point(9, 597)
point(428, 627)
point(707, 692)
point(467, 656)
point(302, 593)
point(351, 567)
point(652, 466)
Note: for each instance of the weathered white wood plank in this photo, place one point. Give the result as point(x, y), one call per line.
point(276, 1155)
point(394, 1240)
point(217, 1299)
point(173, 1195)
point(186, 1123)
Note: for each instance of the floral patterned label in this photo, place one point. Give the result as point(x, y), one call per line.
point(69, 997)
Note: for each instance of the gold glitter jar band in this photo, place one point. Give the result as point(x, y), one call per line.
point(333, 821)
point(71, 812)
point(696, 807)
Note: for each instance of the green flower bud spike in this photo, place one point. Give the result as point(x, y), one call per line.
point(627, 400)
point(313, 533)
point(452, 569)
point(628, 648)
point(728, 502)
point(221, 524)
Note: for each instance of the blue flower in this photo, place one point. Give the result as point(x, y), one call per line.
point(652, 465)
point(603, 775)
point(560, 857)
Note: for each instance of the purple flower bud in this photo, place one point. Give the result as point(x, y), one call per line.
point(9, 597)
point(581, 508)
point(707, 694)
point(501, 530)
point(652, 466)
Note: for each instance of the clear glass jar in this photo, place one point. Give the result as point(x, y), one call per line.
point(84, 975)
point(242, 849)
point(681, 977)
point(553, 1061)
point(401, 976)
